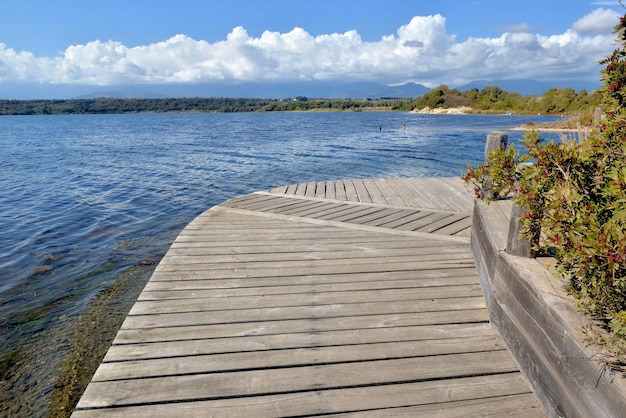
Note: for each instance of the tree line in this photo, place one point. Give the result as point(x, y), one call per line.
point(490, 99)
point(215, 104)
point(493, 99)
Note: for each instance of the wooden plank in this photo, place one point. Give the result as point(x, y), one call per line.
point(442, 223)
point(355, 215)
point(362, 191)
point(405, 219)
point(266, 251)
point(329, 208)
point(462, 225)
point(281, 340)
point(516, 405)
point(300, 189)
point(168, 264)
point(305, 210)
point(385, 320)
point(425, 277)
point(388, 215)
point(391, 195)
point(311, 189)
point(376, 195)
point(351, 193)
point(202, 304)
point(279, 190)
point(345, 210)
point(426, 220)
point(457, 196)
point(309, 259)
point(268, 294)
point(376, 244)
point(331, 193)
point(431, 393)
point(267, 204)
point(278, 272)
point(331, 376)
point(224, 362)
point(417, 193)
point(320, 189)
point(302, 312)
point(291, 189)
point(300, 207)
point(174, 290)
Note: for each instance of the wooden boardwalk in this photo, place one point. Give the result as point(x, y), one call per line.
point(349, 298)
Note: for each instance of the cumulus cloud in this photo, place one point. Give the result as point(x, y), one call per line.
point(421, 51)
point(597, 22)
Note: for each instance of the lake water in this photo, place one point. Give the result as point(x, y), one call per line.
point(90, 203)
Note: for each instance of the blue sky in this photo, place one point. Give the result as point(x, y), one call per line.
point(132, 42)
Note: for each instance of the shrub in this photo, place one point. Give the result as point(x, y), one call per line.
point(575, 194)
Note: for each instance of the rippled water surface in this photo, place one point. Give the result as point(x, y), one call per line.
point(86, 199)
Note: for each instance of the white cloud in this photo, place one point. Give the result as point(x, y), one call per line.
point(421, 51)
point(598, 21)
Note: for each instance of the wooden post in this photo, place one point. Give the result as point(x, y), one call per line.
point(495, 140)
point(515, 245)
point(597, 117)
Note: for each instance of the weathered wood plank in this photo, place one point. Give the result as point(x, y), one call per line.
point(209, 316)
point(328, 376)
point(311, 189)
point(384, 216)
point(456, 228)
point(442, 223)
point(150, 307)
point(422, 222)
point(291, 189)
point(361, 189)
point(351, 193)
point(384, 320)
point(368, 279)
point(434, 394)
point(516, 405)
point(282, 340)
point(278, 272)
point(304, 258)
point(174, 290)
point(305, 356)
point(375, 193)
point(331, 193)
point(338, 243)
point(391, 195)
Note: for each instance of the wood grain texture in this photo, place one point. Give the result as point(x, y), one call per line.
point(355, 297)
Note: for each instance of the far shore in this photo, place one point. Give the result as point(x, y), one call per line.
point(560, 126)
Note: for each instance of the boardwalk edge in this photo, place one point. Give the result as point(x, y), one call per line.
point(538, 321)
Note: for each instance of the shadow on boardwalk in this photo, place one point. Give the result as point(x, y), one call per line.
point(356, 297)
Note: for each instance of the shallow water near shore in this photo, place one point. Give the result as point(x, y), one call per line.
point(90, 203)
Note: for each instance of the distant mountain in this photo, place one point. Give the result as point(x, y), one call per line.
point(277, 90)
point(320, 90)
point(120, 94)
point(528, 87)
point(317, 90)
